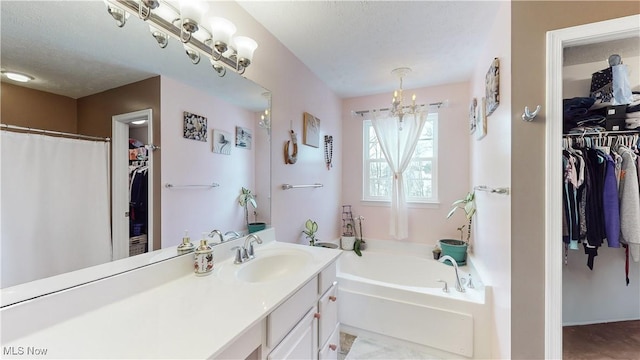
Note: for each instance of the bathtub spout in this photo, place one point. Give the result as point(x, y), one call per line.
point(459, 286)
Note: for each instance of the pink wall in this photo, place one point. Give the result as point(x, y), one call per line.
point(186, 161)
point(427, 223)
point(295, 89)
point(491, 166)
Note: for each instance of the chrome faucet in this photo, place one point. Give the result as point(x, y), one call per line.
point(234, 233)
point(216, 232)
point(459, 286)
point(248, 245)
point(245, 253)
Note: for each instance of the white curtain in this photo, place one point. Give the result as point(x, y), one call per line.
point(55, 206)
point(398, 142)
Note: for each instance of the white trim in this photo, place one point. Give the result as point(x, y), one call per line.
point(557, 40)
point(119, 176)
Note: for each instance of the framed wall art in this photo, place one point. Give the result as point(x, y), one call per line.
point(492, 85)
point(222, 142)
point(195, 127)
point(481, 120)
point(472, 116)
point(311, 134)
point(243, 137)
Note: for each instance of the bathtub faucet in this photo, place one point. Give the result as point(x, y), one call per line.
point(459, 286)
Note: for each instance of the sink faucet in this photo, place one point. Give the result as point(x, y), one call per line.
point(246, 253)
point(234, 233)
point(216, 232)
point(248, 244)
point(459, 286)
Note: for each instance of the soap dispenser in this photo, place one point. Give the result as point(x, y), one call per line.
point(187, 245)
point(203, 264)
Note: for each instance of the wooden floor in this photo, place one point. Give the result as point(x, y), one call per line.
point(615, 340)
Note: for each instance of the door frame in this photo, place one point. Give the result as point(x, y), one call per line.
point(557, 40)
point(120, 187)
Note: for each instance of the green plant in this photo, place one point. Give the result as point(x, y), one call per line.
point(311, 227)
point(246, 198)
point(467, 204)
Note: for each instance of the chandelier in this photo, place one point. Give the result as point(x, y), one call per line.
point(397, 107)
point(211, 37)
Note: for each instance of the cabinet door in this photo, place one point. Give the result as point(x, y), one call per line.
point(328, 309)
point(331, 349)
point(301, 342)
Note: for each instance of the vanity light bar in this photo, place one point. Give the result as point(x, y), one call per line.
point(162, 24)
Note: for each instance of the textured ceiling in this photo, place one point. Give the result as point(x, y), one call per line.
point(75, 49)
point(353, 45)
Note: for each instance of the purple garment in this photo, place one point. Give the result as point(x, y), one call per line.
point(610, 204)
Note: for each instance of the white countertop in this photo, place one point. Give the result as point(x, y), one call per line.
point(188, 317)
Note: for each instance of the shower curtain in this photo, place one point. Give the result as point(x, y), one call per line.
point(54, 206)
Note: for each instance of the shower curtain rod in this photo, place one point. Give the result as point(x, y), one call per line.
point(50, 132)
point(436, 104)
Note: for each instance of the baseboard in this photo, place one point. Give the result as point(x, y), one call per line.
point(591, 322)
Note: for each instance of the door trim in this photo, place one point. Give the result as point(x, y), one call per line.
point(120, 186)
point(557, 40)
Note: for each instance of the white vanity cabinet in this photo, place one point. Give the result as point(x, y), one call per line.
point(305, 326)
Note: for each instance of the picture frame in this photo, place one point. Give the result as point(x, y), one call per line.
point(472, 116)
point(311, 132)
point(492, 87)
point(194, 127)
point(481, 120)
point(221, 142)
point(244, 137)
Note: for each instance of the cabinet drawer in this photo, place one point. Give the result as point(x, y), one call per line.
point(284, 318)
point(326, 278)
point(328, 309)
point(300, 343)
point(331, 349)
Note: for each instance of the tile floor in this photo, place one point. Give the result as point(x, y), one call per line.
point(362, 348)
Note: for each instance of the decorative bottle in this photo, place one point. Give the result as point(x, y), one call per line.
point(187, 245)
point(203, 264)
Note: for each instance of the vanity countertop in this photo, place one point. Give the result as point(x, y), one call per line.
point(187, 317)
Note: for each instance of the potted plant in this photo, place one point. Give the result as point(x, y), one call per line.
point(247, 197)
point(310, 229)
point(457, 249)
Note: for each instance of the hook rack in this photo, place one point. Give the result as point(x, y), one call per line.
point(529, 116)
point(289, 186)
point(209, 186)
point(501, 191)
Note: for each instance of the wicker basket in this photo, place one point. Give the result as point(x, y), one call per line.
point(138, 245)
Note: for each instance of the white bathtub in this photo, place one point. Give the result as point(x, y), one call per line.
point(398, 295)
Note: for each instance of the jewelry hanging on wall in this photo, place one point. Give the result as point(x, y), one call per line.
point(328, 151)
point(291, 158)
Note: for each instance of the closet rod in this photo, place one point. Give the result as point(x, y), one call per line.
point(436, 104)
point(606, 133)
point(50, 132)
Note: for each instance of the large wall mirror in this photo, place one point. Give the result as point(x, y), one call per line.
point(94, 78)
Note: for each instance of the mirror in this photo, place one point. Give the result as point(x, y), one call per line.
point(75, 49)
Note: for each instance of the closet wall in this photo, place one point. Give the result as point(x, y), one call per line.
point(601, 294)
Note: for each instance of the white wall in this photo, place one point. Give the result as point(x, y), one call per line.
point(427, 223)
point(186, 161)
point(601, 294)
point(491, 166)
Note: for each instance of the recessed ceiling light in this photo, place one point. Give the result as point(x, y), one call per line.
point(138, 122)
point(17, 76)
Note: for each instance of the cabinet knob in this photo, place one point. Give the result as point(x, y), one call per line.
point(316, 315)
point(333, 347)
point(333, 298)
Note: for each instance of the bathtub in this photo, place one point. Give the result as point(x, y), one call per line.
point(398, 295)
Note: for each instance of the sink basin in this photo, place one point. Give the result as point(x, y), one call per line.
point(267, 267)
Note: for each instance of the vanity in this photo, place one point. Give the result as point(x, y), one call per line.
point(280, 305)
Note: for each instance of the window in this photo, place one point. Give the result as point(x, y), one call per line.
point(420, 176)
